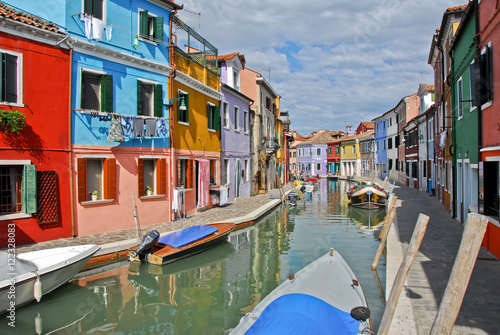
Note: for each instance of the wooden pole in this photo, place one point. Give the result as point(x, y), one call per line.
point(460, 274)
point(389, 218)
point(416, 240)
point(136, 217)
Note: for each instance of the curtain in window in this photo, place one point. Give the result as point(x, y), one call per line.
point(237, 176)
point(203, 181)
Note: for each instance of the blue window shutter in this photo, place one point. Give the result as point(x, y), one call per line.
point(29, 189)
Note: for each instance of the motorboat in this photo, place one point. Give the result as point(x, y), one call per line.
point(160, 250)
point(29, 276)
point(323, 298)
point(368, 195)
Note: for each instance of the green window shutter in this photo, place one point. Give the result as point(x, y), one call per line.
point(143, 24)
point(158, 29)
point(158, 100)
point(107, 93)
point(139, 97)
point(217, 118)
point(29, 189)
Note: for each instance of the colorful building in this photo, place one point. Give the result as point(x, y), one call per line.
point(35, 168)
point(313, 152)
point(235, 128)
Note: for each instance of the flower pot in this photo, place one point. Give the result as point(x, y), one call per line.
point(149, 192)
point(94, 197)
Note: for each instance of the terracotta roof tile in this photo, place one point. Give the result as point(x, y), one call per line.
point(26, 18)
point(427, 88)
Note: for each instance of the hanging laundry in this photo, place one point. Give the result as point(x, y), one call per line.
point(203, 182)
point(109, 33)
point(88, 26)
point(161, 128)
point(442, 139)
point(150, 128)
point(138, 130)
point(175, 201)
point(97, 29)
point(115, 131)
point(126, 126)
point(136, 42)
point(223, 197)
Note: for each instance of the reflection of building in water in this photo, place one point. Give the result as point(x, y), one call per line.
point(367, 218)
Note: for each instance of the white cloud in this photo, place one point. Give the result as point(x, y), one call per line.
point(333, 59)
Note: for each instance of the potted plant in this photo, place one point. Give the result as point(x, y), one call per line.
point(94, 195)
point(149, 191)
point(264, 139)
point(12, 121)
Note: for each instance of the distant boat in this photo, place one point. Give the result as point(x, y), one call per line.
point(323, 298)
point(311, 180)
point(367, 195)
point(29, 276)
point(158, 250)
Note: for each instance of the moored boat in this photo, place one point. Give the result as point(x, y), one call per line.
point(323, 298)
point(29, 276)
point(158, 250)
point(367, 195)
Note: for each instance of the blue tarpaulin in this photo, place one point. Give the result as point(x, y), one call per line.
point(303, 314)
point(188, 235)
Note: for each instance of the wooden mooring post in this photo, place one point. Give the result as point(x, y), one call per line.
point(416, 240)
point(136, 217)
point(460, 274)
point(389, 218)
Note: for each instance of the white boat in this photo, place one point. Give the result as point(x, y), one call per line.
point(29, 276)
point(323, 298)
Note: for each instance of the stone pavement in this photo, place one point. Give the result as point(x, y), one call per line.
point(429, 274)
point(236, 211)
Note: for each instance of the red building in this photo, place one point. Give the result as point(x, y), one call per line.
point(35, 196)
point(487, 101)
point(333, 156)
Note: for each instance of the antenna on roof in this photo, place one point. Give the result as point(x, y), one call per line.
point(268, 70)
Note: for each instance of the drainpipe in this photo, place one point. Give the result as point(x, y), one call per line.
point(70, 151)
point(172, 76)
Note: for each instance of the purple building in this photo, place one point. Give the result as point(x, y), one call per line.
point(235, 128)
point(312, 154)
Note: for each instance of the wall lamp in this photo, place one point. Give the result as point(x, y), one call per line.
point(182, 105)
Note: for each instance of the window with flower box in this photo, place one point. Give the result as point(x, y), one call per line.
point(96, 175)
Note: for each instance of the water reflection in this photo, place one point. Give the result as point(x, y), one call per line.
point(208, 293)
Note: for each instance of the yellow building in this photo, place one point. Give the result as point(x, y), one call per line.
point(195, 121)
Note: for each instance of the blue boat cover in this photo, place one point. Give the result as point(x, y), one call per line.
point(188, 235)
point(298, 313)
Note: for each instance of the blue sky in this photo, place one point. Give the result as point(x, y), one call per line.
point(334, 62)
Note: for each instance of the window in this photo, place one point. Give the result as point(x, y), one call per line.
point(390, 121)
point(389, 144)
point(183, 114)
point(97, 91)
point(460, 98)
point(236, 118)
point(236, 79)
point(213, 115)
point(18, 188)
point(318, 152)
point(310, 152)
point(10, 77)
point(484, 76)
point(149, 99)
point(225, 116)
point(245, 121)
point(318, 167)
point(185, 173)
point(354, 149)
point(384, 144)
point(383, 125)
point(96, 175)
point(93, 8)
point(337, 150)
point(396, 141)
point(225, 177)
point(343, 150)
point(150, 26)
point(152, 173)
point(213, 172)
point(329, 150)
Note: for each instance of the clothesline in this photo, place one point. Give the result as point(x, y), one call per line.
point(83, 111)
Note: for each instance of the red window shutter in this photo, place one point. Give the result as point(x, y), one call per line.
point(110, 178)
point(189, 174)
point(162, 176)
point(140, 177)
point(81, 173)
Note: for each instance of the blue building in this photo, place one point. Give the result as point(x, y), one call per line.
point(381, 143)
point(119, 108)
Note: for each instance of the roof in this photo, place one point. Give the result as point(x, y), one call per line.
point(367, 133)
point(28, 19)
point(368, 125)
point(231, 56)
point(323, 137)
point(426, 88)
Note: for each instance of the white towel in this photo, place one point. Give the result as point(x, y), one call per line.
point(109, 33)
point(97, 29)
point(175, 201)
point(88, 26)
point(223, 197)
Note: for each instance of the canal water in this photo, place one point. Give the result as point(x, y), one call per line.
point(208, 293)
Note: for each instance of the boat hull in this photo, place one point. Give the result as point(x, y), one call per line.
point(162, 254)
point(368, 197)
point(18, 289)
point(329, 279)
